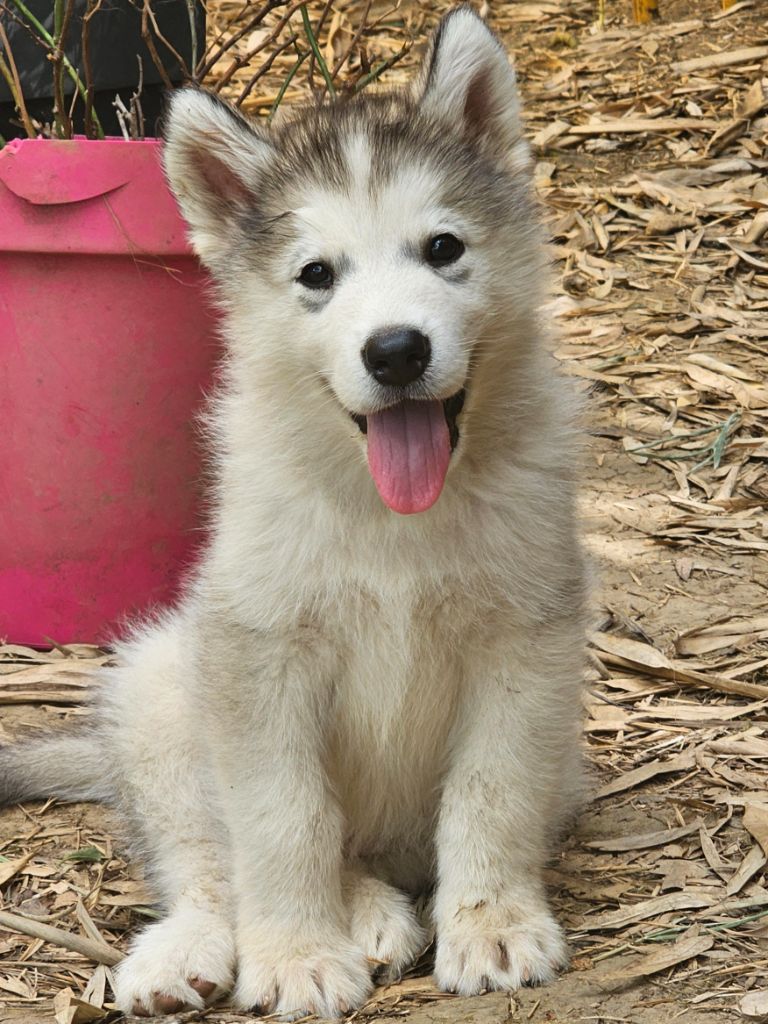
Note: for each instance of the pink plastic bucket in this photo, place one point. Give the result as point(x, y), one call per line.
point(106, 346)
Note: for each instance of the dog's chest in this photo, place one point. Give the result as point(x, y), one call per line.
point(393, 712)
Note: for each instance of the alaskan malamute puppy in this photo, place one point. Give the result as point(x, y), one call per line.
point(371, 687)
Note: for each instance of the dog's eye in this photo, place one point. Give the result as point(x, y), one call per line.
point(443, 249)
point(316, 275)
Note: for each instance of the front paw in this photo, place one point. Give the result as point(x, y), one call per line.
point(490, 946)
point(183, 962)
point(298, 976)
point(382, 921)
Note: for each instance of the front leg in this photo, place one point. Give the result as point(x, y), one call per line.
point(267, 745)
point(515, 764)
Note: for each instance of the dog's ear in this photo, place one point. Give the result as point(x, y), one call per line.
point(469, 82)
point(214, 160)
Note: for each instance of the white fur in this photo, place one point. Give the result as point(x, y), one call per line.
point(168, 954)
point(349, 705)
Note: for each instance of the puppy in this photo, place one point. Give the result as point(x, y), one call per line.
point(371, 685)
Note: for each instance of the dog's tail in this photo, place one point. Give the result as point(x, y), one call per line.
point(71, 766)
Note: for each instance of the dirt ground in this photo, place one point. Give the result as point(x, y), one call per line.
point(652, 174)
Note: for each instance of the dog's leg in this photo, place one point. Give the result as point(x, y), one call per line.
point(383, 922)
point(515, 745)
point(269, 699)
point(187, 959)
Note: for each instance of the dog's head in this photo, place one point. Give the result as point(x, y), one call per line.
point(372, 246)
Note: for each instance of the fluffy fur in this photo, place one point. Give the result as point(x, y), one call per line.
point(349, 706)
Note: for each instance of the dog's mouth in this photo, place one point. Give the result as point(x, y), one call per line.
point(409, 449)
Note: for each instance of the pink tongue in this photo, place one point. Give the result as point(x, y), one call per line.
point(408, 454)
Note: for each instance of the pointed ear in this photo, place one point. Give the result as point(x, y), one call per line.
point(214, 160)
point(470, 82)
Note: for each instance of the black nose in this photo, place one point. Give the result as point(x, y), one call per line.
point(397, 357)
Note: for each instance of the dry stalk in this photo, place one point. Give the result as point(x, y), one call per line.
point(98, 951)
point(90, 127)
point(10, 72)
point(209, 60)
point(137, 114)
point(24, 17)
point(240, 62)
point(385, 65)
point(355, 40)
point(146, 35)
point(187, 70)
point(62, 17)
point(263, 70)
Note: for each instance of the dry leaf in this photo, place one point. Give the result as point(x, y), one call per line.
point(632, 650)
point(636, 125)
point(691, 944)
point(68, 1009)
point(12, 867)
point(615, 919)
point(628, 780)
point(17, 986)
point(644, 841)
point(95, 991)
point(756, 823)
point(746, 55)
point(755, 1004)
point(663, 223)
point(749, 867)
point(746, 745)
point(747, 395)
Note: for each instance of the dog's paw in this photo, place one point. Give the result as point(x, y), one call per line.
point(295, 978)
point(382, 922)
point(483, 948)
point(182, 963)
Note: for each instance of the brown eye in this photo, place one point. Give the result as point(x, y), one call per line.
point(443, 249)
point(316, 275)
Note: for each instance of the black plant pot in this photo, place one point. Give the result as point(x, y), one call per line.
point(120, 60)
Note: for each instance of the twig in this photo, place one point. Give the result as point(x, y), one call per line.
point(208, 62)
point(355, 40)
point(98, 951)
point(11, 74)
point(47, 38)
point(186, 71)
point(137, 113)
point(62, 15)
point(263, 70)
point(146, 35)
point(123, 115)
point(191, 6)
point(217, 39)
point(240, 62)
point(377, 72)
point(55, 57)
point(89, 120)
point(683, 677)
